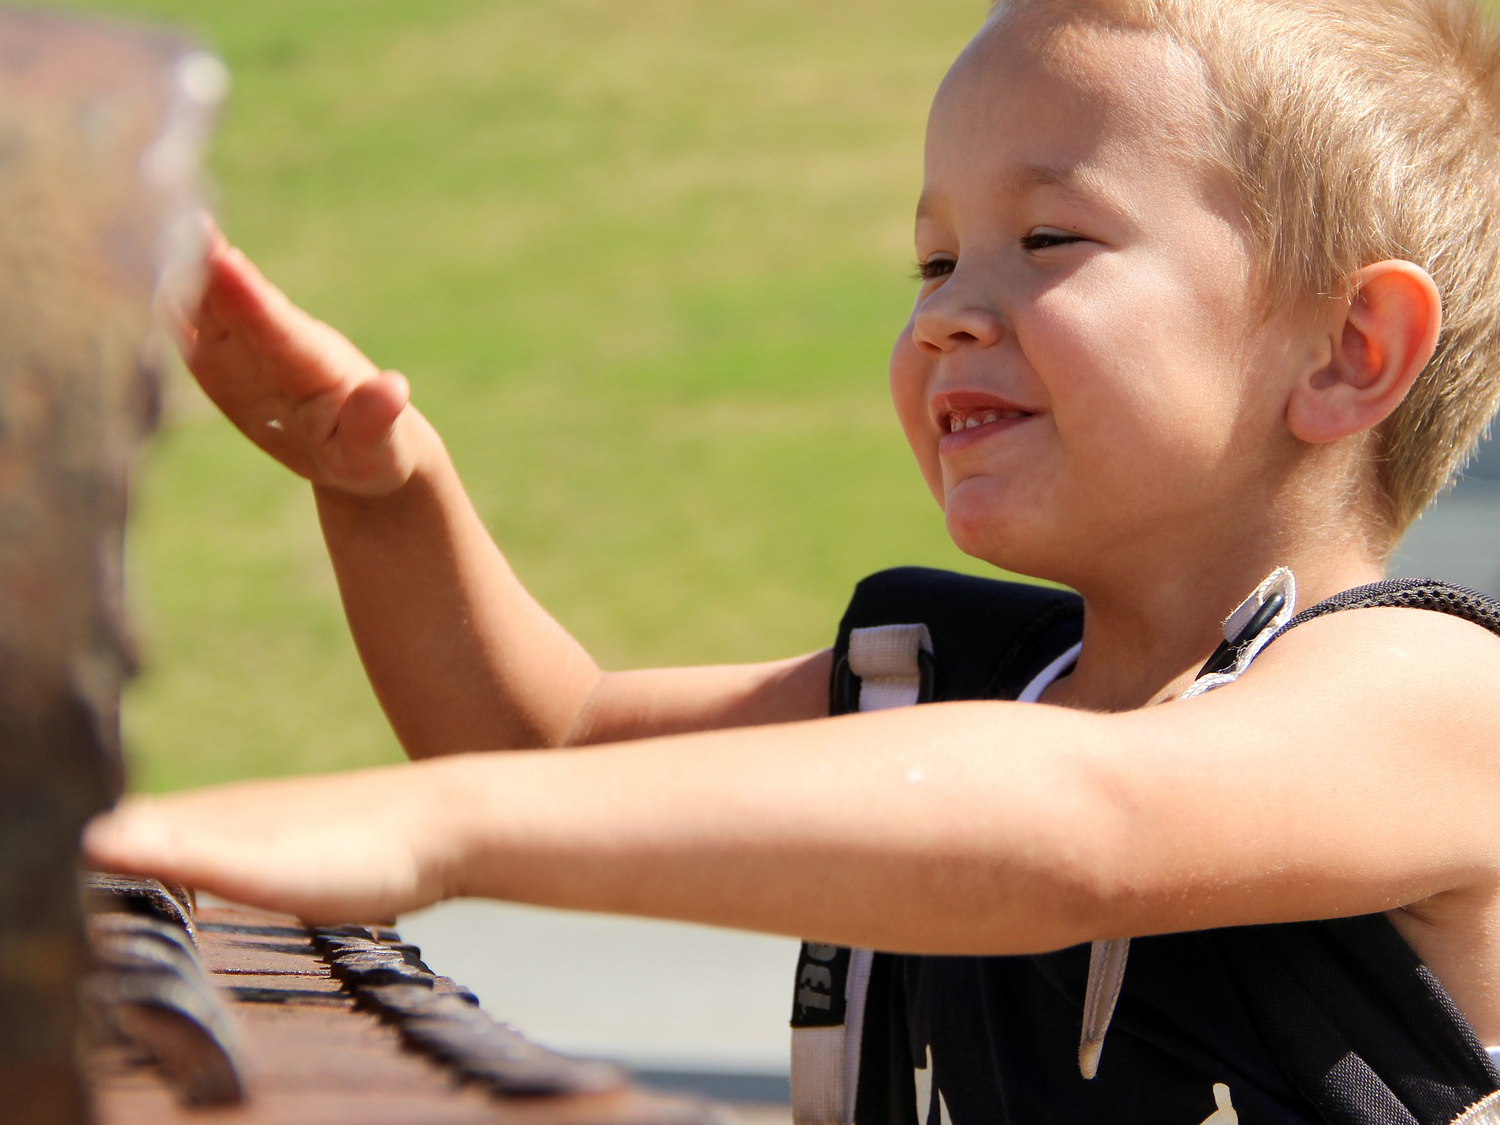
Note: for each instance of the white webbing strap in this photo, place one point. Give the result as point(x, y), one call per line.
point(817, 1054)
point(884, 657)
point(825, 1060)
point(825, 1056)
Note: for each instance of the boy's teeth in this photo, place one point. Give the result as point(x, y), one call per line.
point(958, 422)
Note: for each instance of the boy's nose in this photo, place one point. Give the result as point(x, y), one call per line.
point(955, 314)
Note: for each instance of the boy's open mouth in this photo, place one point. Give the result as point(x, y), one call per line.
point(958, 411)
point(973, 419)
point(964, 417)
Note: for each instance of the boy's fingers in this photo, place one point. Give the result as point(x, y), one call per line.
point(238, 293)
point(303, 846)
point(213, 236)
point(240, 301)
point(180, 328)
point(248, 329)
point(130, 837)
point(292, 384)
point(199, 838)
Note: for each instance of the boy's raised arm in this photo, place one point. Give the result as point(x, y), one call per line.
point(459, 654)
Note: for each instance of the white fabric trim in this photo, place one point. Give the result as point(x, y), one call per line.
point(1106, 958)
point(1279, 581)
point(860, 963)
point(1106, 975)
point(825, 1060)
point(1049, 675)
point(1484, 1112)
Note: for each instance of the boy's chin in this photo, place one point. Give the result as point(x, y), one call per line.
point(993, 541)
point(1034, 549)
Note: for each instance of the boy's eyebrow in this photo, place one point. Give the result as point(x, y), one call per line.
point(1080, 182)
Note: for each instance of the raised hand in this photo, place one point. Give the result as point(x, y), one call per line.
point(293, 385)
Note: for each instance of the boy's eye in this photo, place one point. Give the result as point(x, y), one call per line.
point(1041, 238)
point(933, 267)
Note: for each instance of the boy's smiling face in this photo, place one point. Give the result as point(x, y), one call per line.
point(1088, 364)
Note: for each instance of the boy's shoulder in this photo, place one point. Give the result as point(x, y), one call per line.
point(1418, 656)
point(1398, 684)
point(1410, 633)
point(1421, 656)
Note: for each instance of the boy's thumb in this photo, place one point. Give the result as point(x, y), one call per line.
point(367, 430)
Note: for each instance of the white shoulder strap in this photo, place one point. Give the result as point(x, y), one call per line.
point(825, 1050)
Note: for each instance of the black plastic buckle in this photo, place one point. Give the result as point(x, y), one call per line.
point(1229, 651)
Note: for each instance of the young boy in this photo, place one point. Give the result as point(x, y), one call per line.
point(1183, 268)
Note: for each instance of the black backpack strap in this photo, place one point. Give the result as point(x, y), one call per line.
point(1409, 593)
point(988, 639)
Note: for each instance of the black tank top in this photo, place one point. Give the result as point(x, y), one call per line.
point(1289, 1024)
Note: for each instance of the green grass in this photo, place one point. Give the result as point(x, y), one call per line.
point(643, 263)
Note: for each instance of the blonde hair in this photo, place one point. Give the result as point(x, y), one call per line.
point(1357, 131)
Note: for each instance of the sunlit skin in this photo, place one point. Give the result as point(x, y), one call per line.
point(1084, 265)
point(1157, 443)
point(1090, 271)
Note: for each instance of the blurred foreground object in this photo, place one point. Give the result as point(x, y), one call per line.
point(119, 1001)
point(100, 131)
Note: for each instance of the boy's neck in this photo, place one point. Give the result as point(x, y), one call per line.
point(1144, 643)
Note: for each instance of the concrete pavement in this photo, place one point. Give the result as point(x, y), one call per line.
point(689, 1006)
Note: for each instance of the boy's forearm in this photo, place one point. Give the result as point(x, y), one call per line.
point(459, 654)
point(830, 830)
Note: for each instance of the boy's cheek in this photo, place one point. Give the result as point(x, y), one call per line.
point(906, 373)
point(909, 392)
point(924, 448)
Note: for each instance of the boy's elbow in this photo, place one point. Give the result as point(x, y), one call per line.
point(1064, 880)
point(1079, 894)
point(1110, 868)
point(1004, 912)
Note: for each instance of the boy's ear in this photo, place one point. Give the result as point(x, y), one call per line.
point(1380, 343)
